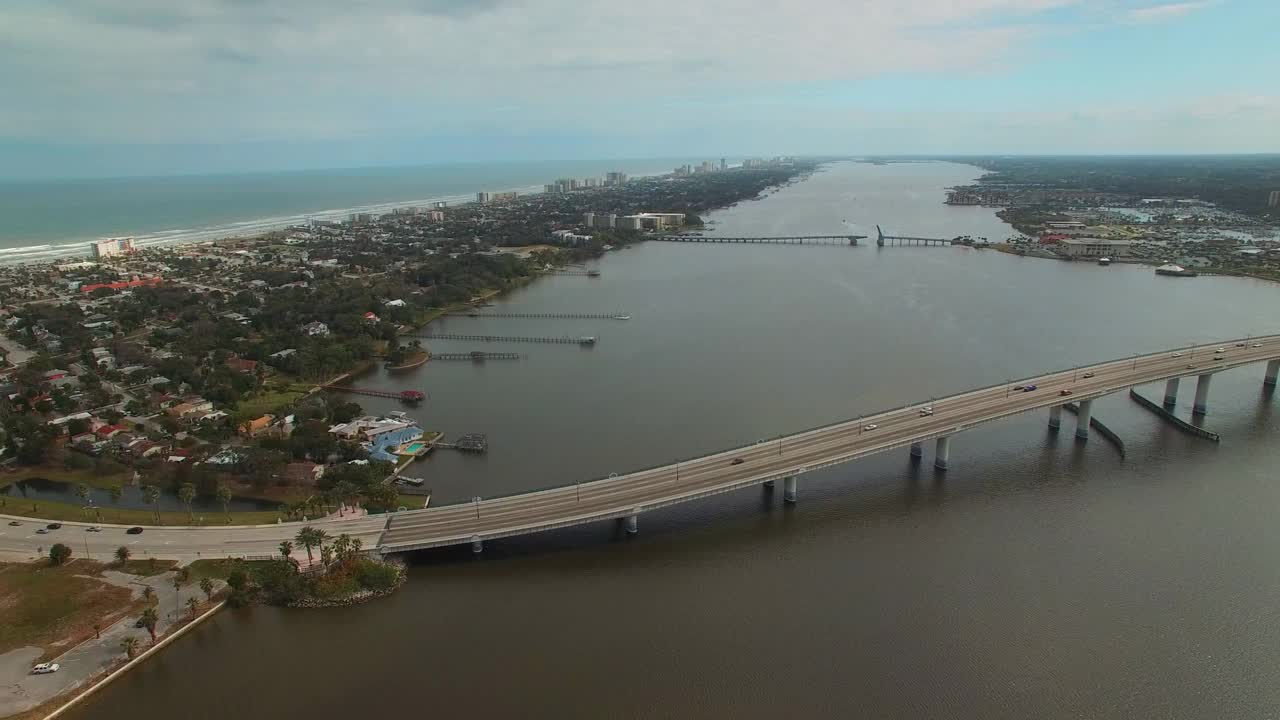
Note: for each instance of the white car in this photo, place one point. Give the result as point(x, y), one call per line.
point(1087, 375)
point(1257, 344)
point(45, 668)
point(1177, 355)
point(926, 411)
point(872, 426)
point(1221, 350)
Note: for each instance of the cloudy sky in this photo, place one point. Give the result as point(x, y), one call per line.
point(107, 87)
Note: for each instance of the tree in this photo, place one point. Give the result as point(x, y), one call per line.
point(130, 645)
point(59, 554)
point(193, 603)
point(152, 495)
point(286, 549)
point(223, 494)
point(186, 494)
point(147, 592)
point(206, 586)
point(309, 537)
point(122, 554)
point(149, 620)
point(82, 492)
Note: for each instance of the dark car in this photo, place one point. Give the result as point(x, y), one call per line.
point(54, 526)
point(736, 461)
point(135, 530)
point(1029, 388)
point(14, 523)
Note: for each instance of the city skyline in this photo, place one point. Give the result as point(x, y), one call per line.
point(223, 86)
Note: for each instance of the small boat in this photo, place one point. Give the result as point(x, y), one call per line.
point(416, 482)
point(1104, 261)
point(621, 317)
point(1173, 270)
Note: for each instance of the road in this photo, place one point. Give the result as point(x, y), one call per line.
point(22, 542)
point(625, 495)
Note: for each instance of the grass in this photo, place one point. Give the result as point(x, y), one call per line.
point(145, 568)
point(412, 502)
point(54, 608)
point(219, 569)
point(61, 474)
point(50, 510)
point(267, 402)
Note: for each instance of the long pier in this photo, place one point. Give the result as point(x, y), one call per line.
point(578, 273)
point(545, 316)
point(409, 396)
point(882, 239)
point(476, 356)
point(585, 340)
point(851, 240)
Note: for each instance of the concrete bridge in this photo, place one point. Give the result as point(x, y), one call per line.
point(625, 497)
point(882, 239)
point(851, 240)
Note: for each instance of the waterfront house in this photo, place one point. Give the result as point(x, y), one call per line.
point(257, 426)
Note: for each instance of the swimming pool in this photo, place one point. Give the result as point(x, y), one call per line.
point(413, 448)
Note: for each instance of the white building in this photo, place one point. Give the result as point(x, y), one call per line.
point(1093, 247)
point(107, 247)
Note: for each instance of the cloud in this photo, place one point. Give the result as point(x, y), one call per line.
point(1159, 13)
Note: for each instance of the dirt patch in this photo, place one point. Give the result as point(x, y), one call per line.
point(56, 607)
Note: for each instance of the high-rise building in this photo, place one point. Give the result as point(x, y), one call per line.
point(484, 197)
point(107, 247)
point(600, 221)
point(615, 178)
point(724, 164)
point(1274, 199)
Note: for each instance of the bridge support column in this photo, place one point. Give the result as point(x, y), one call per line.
point(1055, 417)
point(1273, 370)
point(632, 522)
point(477, 545)
point(1083, 416)
point(942, 452)
point(1171, 392)
point(768, 484)
point(1202, 395)
point(917, 451)
point(789, 488)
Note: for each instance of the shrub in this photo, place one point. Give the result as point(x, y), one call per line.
point(374, 575)
point(59, 554)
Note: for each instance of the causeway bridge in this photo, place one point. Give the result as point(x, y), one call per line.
point(851, 240)
point(882, 239)
point(625, 497)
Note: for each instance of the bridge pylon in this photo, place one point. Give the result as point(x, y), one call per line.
point(879, 236)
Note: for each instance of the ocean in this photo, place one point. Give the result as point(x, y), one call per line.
point(46, 219)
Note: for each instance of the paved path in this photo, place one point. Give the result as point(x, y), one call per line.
point(20, 690)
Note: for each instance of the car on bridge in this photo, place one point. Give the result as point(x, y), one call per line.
point(1191, 366)
point(736, 461)
point(1176, 355)
point(1087, 375)
point(870, 427)
point(1029, 388)
point(1064, 393)
point(926, 411)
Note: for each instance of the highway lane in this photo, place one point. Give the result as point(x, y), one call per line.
point(22, 542)
point(821, 447)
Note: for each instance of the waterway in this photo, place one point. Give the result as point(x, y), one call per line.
point(1039, 577)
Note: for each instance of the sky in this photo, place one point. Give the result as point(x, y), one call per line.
point(129, 87)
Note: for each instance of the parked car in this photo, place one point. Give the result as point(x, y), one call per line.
point(135, 530)
point(45, 668)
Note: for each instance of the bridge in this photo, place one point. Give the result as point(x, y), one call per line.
point(545, 315)
point(882, 239)
point(625, 497)
point(851, 240)
point(584, 340)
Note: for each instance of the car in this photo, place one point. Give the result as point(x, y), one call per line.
point(1257, 344)
point(1191, 366)
point(54, 526)
point(45, 668)
point(1239, 344)
point(14, 523)
point(1218, 357)
point(93, 528)
point(872, 426)
point(1176, 355)
point(736, 461)
point(1221, 350)
point(1087, 375)
point(1064, 392)
point(1029, 388)
point(135, 530)
point(140, 623)
point(926, 411)
point(42, 531)
point(1019, 387)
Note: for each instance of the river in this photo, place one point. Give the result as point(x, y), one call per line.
point(1039, 577)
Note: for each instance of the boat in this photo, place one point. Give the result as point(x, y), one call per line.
point(621, 317)
point(1175, 271)
point(416, 482)
point(587, 340)
point(1104, 261)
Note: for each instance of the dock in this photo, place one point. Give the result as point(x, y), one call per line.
point(406, 396)
point(470, 442)
point(579, 273)
point(564, 340)
point(476, 356)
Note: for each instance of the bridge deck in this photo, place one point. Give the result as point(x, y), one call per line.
point(657, 487)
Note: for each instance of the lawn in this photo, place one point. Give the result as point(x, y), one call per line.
point(144, 568)
point(49, 510)
point(267, 402)
point(219, 569)
point(55, 607)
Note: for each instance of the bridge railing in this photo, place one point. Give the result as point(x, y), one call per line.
point(830, 425)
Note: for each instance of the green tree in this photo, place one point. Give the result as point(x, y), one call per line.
point(122, 554)
point(223, 494)
point(150, 618)
point(130, 646)
point(286, 549)
point(152, 495)
point(82, 492)
point(309, 537)
point(186, 494)
point(206, 586)
point(148, 592)
point(59, 554)
point(193, 603)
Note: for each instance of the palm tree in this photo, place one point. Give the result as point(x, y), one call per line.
point(122, 554)
point(206, 586)
point(286, 549)
point(224, 496)
point(152, 495)
point(147, 592)
point(193, 604)
point(326, 556)
point(186, 494)
point(82, 492)
point(309, 537)
point(115, 492)
point(149, 619)
point(130, 645)
point(343, 491)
